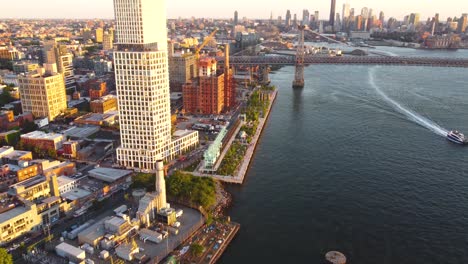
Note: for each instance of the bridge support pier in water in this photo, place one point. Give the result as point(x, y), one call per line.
point(300, 55)
point(265, 74)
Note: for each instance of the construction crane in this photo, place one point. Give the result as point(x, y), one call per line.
point(205, 41)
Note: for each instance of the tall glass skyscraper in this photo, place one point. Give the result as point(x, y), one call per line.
point(332, 13)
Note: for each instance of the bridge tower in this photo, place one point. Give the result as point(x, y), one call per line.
point(264, 73)
point(300, 54)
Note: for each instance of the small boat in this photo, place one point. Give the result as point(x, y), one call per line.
point(456, 137)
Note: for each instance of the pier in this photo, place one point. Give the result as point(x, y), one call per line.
point(244, 166)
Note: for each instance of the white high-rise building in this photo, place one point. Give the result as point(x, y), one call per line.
point(142, 81)
point(365, 13)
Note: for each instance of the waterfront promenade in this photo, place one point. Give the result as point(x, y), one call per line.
point(239, 177)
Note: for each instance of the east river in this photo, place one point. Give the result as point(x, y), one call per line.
point(357, 162)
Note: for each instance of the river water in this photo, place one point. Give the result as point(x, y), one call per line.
point(357, 162)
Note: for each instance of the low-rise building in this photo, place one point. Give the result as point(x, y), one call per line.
point(70, 149)
point(81, 132)
point(101, 67)
point(31, 189)
point(45, 141)
point(66, 184)
point(97, 89)
point(359, 35)
point(49, 210)
point(5, 118)
point(10, 53)
point(23, 171)
point(9, 121)
point(16, 166)
point(95, 119)
point(126, 251)
point(104, 104)
point(9, 154)
point(17, 218)
point(111, 175)
point(24, 66)
point(451, 41)
point(55, 167)
point(73, 254)
point(183, 141)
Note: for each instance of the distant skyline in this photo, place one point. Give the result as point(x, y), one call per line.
point(247, 8)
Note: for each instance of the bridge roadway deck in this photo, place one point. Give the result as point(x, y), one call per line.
point(376, 60)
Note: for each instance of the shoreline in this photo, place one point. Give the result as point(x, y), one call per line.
point(245, 165)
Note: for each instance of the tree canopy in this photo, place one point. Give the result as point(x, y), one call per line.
point(5, 258)
point(196, 249)
point(144, 180)
point(5, 97)
point(232, 159)
point(198, 190)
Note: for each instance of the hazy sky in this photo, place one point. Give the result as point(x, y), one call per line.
point(223, 9)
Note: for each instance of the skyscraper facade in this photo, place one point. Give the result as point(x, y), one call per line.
point(365, 13)
point(288, 18)
point(345, 13)
point(317, 14)
point(414, 19)
point(305, 17)
point(462, 23)
point(142, 81)
point(332, 13)
point(236, 17)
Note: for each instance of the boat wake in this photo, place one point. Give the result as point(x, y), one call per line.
point(415, 117)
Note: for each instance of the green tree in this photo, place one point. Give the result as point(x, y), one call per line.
point(144, 180)
point(196, 190)
point(28, 126)
point(196, 250)
point(5, 258)
point(52, 153)
point(5, 97)
point(11, 139)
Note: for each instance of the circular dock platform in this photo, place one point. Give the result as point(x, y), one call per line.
point(335, 257)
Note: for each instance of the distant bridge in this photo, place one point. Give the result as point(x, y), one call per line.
point(375, 60)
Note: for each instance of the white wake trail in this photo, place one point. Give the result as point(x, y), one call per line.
point(415, 117)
